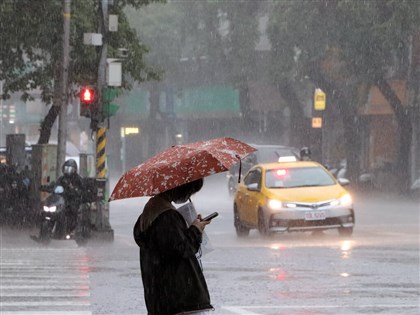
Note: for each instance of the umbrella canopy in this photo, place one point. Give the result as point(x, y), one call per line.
point(178, 165)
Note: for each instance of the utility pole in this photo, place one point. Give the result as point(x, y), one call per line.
point(95, 105)
point(414, 94)
point(102, 204)
point(1, 113)
point(62, 118)
point(101, 84)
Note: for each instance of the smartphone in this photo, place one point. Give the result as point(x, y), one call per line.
point(211, 216)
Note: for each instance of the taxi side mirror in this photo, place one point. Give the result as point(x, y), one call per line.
point(253, 187)
point(343, 181)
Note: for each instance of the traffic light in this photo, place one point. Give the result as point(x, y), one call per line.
point(88, 101)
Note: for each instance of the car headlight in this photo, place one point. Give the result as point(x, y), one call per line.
point(335, 202)
point(346, 200)
point(274, 204)
point(50, 209)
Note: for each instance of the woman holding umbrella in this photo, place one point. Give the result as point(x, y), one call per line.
point(172, 277)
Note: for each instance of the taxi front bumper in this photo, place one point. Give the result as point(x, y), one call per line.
point(309, 219)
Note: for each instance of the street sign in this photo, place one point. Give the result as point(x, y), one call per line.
point(109, 94)
point(113, 23)
point(113, 72)
point(319, 99)
point(94, 39)
point(110, 109)
point(316, 122)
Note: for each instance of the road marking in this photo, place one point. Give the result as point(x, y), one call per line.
point(8, 280)
point(22, 268)
point(22, 263)
point(41, 249)
point(38, 294)
point(47, 313)
point(239, 310)
point(44, 303)
point(45, 286)
point(49, 276)
point(44, 281)
point(244, 310)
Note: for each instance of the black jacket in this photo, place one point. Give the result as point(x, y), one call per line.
point(172, 277)
point(73, 189)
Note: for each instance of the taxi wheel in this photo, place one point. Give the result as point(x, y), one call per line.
point(241, 230)
point(345, 231)
point(262, 226)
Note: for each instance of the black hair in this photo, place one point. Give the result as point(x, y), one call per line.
point(186, 190)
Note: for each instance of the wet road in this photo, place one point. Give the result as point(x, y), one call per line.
point(374, 272)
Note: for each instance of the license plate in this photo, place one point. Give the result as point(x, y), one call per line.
point(314, 215)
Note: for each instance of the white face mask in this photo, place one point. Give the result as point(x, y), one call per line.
point(69, 170)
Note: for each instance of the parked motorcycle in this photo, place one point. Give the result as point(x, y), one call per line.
point(4, 192)
point(60, 223)
point(14, 206)
point(366, 181)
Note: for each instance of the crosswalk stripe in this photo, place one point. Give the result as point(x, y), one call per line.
point(41, 268)
point(47, 313)
point(31, 263)
point(45, 286)
point(37, 294)
point(44, 281)
point(247, 309)
point(45, 303)
point(59, 276)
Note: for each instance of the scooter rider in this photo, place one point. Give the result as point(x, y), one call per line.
point(305, 154)
point(73, 191)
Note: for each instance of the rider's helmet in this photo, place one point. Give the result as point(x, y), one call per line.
point(69, 167)
point(305, 154)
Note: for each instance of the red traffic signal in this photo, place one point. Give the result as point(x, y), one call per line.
point(88, 101)
point(87, 95)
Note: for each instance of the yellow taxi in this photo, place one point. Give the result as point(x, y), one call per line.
point(292, 196)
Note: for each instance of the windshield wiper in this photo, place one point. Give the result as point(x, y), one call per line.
point(307, 185)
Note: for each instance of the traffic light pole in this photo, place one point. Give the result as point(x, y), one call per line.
point(102, 205)
point(100, 152)
point(62, 117)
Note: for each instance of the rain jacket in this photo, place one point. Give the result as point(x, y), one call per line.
point(172, 277)
point(73, 190)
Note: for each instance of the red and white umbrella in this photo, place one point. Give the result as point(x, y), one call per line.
point(180, 164)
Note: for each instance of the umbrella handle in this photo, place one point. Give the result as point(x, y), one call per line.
point(240, 168)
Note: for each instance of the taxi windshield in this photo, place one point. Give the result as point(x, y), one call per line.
point(297, 177)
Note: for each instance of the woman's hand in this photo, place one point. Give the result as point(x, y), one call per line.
point(200, 224)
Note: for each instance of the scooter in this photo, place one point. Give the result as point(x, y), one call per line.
point(57, 223)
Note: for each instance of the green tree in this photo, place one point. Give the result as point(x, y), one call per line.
point(196, 43)
point(180, 32)
point(345, 47)
point(31, 50)
point(201, 42)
